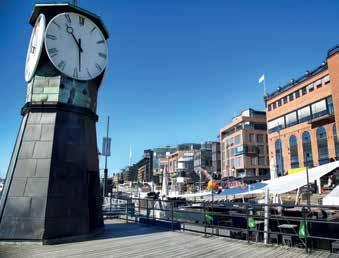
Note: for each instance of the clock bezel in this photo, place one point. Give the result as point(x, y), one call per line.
point(41, 18)
point(51, 59)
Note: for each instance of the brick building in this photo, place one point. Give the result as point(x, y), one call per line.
point(243, 143)
point(216, 157)
point(144, 167)
point(302, 118)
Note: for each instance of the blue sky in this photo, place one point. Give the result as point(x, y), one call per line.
point(179, 70)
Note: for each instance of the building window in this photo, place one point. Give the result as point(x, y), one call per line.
point(261, 161)
point(294, 152)
point(260, 138)
point(279, 102)
point(284, 99)
point(304, 91)
point(269, 107)
point(318, 84)
point(264, 172)
point(254, 161)
point(259, 126)
point(276, 124)
point(330, 105)
point(311, 87)
point(326, 79)
point(319, 108)
point(291, 119)
point(322, 145)
point(274, 105)
point(336, 142)
point(237, 139)
point(251, 137)
point(291, 97)
point(297, 94)
point(307, 149)
point(279, 157)
point(304, 114)
point(261, 149)
point(238, 162)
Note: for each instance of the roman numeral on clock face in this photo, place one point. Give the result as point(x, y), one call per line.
point(56, 24)
point(98, 66)
point(75, 73)
point(68, 18)
point(53, 51)
point(62, 65)
point(50, 36)
point(81, 20)
point(92, 29)
point(102, 55)
point(88, 73)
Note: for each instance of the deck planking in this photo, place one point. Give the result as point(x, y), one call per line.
point(134, 240)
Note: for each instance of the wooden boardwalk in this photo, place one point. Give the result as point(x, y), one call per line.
point(134, 240)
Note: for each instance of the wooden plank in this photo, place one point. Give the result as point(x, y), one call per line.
point(134, 240)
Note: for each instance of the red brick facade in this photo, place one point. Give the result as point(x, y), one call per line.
point(300, 107)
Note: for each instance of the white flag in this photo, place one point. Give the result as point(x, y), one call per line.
point(130, 156)
point(262, 78)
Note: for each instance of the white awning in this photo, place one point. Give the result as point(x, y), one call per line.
point(289, 183)
point(332, 198)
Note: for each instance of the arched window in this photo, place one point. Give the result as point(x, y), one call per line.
point(322, 145)
point(307, 149)
point(279, 157)
point(294, 152)
point(336, 142)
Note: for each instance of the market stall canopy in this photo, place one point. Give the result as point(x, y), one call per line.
point(332, 198)
point(291, 182)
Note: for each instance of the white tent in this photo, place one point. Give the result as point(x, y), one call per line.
point(332, 198)
point(289, 183)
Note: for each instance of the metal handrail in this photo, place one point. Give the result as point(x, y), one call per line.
point(172, 215)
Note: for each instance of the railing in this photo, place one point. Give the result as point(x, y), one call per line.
point(309, 227)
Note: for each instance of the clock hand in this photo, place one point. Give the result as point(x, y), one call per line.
point(80, 54)
point(69, 30)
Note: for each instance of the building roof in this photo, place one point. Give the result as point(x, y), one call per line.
point(246, 114)
point(50, 10)
point(306, 76)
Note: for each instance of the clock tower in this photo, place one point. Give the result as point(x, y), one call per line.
point(52, 186)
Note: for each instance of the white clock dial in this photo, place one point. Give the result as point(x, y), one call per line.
point(76, 46)
point(35, 47)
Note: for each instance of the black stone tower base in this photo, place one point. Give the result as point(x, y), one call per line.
point(52, 186)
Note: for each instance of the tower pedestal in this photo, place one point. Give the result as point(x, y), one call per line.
point(52, 186)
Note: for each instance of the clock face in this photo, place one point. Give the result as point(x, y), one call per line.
point(35, 47)
point(76, 46)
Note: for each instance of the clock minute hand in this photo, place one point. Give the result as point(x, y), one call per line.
point(70, 31)
point(80, 50)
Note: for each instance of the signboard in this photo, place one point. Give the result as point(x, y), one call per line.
point(296, 170)
point(106, 146)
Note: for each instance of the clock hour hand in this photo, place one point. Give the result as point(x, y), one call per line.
point(69, 29)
